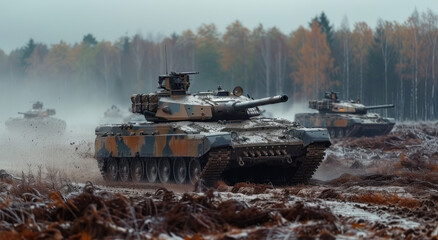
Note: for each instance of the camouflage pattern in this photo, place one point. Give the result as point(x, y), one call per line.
point(37, 120)
point(346, 118)
point(209, 135)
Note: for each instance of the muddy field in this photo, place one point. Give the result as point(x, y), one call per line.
point(385, 187)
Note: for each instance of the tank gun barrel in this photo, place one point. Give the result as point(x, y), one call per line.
point(188, 73)
point(260, 102)
point(379, 106)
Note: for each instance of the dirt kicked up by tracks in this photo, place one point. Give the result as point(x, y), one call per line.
point(385, 187)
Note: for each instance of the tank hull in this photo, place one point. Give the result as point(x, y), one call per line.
point(348, 125)
point(259, 150)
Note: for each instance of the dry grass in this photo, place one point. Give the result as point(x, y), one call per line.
point(386, 199)
point(40, 182)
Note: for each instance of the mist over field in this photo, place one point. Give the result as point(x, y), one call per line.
point(370, 179)
point(71, 153)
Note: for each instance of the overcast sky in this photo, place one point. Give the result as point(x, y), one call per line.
point(50, 21)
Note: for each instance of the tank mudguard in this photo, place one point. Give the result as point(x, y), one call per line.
point(312, 135)
point(217, 140)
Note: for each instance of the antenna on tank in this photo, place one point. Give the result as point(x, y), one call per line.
point(165, 57)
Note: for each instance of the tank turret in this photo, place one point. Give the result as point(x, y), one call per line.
point(37, 111)
point(173, 102)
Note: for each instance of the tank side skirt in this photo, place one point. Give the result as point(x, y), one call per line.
point(149, 146)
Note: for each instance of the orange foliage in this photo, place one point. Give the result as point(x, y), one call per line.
point(315, 63)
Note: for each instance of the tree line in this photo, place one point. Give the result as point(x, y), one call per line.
point(393, 63)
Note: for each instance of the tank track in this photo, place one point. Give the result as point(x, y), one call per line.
point(314, 156)
point(217, 161)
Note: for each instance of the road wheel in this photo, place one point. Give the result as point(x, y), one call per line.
point(164, 170)
point(341, 133)
point(137, 170)
point(194, 170)
point(151, 170)
point(124, 170)
point(179, 170)
point(112, 170)
point(332, 133)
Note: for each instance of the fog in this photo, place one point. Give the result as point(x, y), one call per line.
point(52, 21)
point(71, 152)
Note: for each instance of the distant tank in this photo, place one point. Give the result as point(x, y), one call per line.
point(113, 115)
point(208, 135)
point(346, 118)
point(113, 112)
point(37, 120)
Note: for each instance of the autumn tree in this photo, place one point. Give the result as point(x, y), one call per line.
point(296, 41)
point(315, 64)
point(234, 54)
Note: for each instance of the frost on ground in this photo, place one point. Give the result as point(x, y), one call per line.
point(385, 187)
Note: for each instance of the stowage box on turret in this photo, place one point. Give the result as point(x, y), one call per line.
point(346, 118)
point(38, 121)
point(209, 135)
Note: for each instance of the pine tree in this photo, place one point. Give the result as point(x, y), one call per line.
point(326, 28)
point(27, 52)
point(90, 40)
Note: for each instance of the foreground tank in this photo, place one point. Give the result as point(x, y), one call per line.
point(346, 118)
point(38, 121)
point(214, 135)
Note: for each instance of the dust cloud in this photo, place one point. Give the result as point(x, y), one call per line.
point(71, 152)
point(286, 110)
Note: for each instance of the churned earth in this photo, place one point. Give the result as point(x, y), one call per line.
point(384, 187)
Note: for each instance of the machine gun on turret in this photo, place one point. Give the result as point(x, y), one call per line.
point(175, 83)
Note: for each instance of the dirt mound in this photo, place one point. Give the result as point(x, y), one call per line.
point(93, 213)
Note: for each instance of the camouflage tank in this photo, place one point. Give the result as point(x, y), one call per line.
point(346, 118)
point(37, 120)
point(208, 135)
